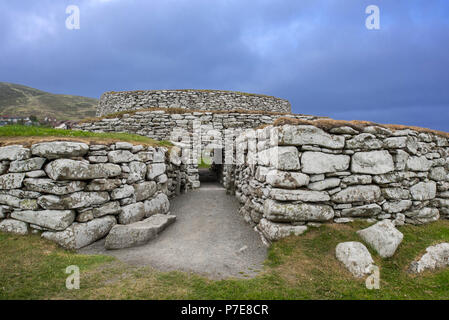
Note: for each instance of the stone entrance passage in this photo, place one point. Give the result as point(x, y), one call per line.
point(207, 175)
point(209, 237)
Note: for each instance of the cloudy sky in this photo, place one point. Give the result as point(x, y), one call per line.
point(318, 54)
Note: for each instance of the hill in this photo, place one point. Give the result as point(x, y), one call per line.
point(19, 100)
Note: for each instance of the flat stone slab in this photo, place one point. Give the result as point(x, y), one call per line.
point(79, 235)
point(138, 233)
point(59, 149)
point(383, 237)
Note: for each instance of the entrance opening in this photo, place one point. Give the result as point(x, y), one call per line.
point(210, 168)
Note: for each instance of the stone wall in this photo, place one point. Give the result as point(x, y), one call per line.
point(191, 129)
point(74, 193)
point(111, 102)
point(294, 176)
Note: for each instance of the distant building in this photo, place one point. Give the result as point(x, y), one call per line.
point(8, 120)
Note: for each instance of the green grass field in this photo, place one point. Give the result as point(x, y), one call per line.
point(302, 267)
point(7, 133)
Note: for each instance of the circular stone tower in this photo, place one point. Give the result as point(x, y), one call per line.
point(211, 100)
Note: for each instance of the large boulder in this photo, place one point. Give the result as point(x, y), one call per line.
point(357, 179)
point(275, 231)
point(124, 191)
point(79, 235)
point(418, 164)
point(159, 204)
point(368, 210)
point(137, 171)
point(373, 162)
point(396, 193)
point(154, 170)
point(132, 213)
point(397, 206)
point(103, 184)
point(355, 257)
point(49, 219)
point(320, 162)
point(284, 158)
point(59, 149)
point(12, 201)
point(26, 165)
point(74, 200)
point(436, 256)
point(84, 199)
point(324, 184)
point(308, 135)
point(424, 190)
point(365, 193)
point(110, 208)
point(438, 174)
point(138, 233)
point(299, 195)
point(290, 212)
point(14, 226)
point(53, 187)
point(120, 156)
point(366, 141)
point(144, 190)
point(383, 237)
point(285, 179)
point(122, 145)
point(423, 215)
point(67, 169)
point(395, 142)
point(11, 181)
point(4, 165)
point(14, 152)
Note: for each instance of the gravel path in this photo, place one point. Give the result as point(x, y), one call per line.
point(209, 237)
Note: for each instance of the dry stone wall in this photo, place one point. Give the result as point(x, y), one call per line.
point(294, 176)
point(189, 130)
point(111, 102)
point(74, 193)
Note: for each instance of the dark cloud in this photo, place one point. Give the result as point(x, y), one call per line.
point(318, 54)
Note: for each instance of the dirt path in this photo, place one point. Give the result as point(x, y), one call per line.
point(209, 237)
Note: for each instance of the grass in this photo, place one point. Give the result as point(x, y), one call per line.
point(302, 267)
point(328, 124)
point(27, 135)
point(204, 163)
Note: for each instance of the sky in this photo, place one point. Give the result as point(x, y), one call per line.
point(318, 54)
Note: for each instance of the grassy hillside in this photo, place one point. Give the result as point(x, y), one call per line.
point(18, 100)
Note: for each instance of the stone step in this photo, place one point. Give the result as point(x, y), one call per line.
point(138, 233)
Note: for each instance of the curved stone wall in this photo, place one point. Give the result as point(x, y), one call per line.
point(74, 193)
point(162, 125)
point(111, 102)
point(292, 176)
